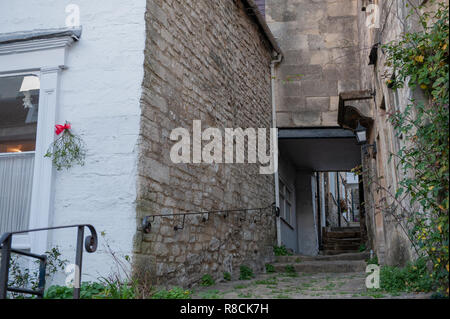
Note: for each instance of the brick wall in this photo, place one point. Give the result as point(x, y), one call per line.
point(204, 60)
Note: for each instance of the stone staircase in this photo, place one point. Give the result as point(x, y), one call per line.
point(339, 263)
point(341, 240)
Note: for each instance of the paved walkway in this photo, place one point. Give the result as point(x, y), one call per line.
point(298, 286)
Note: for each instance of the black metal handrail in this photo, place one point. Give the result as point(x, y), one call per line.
point(149, 219)
point(90, 244)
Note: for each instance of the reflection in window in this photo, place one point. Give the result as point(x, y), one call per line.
point(19, 101)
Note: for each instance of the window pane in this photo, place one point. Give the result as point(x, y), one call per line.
point(288, 213)
point(19, 100)
point(288, 195)
point(16, 179)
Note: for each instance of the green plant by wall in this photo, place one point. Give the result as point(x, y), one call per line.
point(207, 280)
point(174, 293)
point(23, 277)
point(246, 273)
point(88, 290)
point(415, 277)
point(420, 60)
point(290, 271)
point(281, 251)
point(362, 247)
point(270, 268)
point(373, 261)
point(226, 276)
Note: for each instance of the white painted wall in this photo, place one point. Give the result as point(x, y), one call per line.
point(99, 95)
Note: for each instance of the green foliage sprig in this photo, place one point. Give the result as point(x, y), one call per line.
point(23, 277)
point(421, 60)
point(412, 278)
point(281, 251)
point(246, 273)
point(207, 280)
point(67, 150)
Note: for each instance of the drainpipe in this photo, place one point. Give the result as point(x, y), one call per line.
point(338, 199)
point(274, 62)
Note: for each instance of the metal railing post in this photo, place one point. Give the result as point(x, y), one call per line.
point(41, 283)
point(4, 266)
point(78, 263)
point(90, 244)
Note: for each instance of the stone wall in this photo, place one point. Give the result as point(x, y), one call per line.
point(204, 60)
point(319, 40)
point(386, 236)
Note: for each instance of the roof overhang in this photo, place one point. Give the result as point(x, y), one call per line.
point(253, 11)
point(320, 149)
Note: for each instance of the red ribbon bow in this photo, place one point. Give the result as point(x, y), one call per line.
point(61, 128)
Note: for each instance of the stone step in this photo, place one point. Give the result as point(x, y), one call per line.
point(333, 229)
point(333, 266)
point(356, 241)
point(300, 258)
point(327, 252)
point(341, 246)
point(342, 234)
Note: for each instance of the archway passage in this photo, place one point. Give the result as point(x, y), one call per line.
point(319, 196)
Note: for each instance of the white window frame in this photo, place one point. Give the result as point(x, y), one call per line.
point(47, 57)
point(282, 195)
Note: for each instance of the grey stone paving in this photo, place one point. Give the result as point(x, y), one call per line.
point(298, 286)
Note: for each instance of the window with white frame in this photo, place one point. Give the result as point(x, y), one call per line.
point(286, 200)
point(26, 133)
point(19, 101)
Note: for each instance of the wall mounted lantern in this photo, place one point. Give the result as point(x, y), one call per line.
point(361, 138)
point(361, 134)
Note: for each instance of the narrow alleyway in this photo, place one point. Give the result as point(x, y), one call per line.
point(301, 277)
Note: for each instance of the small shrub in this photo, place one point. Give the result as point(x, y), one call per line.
point(290, 271)
point(270, 268)
point(207, 280)
point(415, 277)
point(116, 289)
point(58, 292)
point(362, 248)
point(372, 261)
point(281, 251)
point(28, 277)
point(227, 276)
point(174, 293)
point(246, 273)
point(93, 290)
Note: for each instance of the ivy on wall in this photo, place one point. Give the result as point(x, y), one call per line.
point(420, 60)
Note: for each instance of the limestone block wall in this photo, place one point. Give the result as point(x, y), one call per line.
point(204, 60)
point(385, 235)
point(320, 44)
